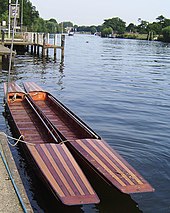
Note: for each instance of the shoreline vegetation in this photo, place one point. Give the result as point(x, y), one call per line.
point(113, 27)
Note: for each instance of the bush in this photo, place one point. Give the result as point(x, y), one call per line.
point(106, 32)
point(166, 34)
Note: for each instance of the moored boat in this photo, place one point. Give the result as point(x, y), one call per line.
point(85, 144)
point(51, 159)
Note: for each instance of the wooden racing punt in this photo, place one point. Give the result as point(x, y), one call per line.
point(52, 160)
point(86, 144)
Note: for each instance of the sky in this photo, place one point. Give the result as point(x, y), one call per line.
point(93, 12)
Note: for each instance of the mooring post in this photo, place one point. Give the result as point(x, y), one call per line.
point(62, 45)
point(31, 49)
point(38, 46)
point(6, 61)
point(27, 48)
point(48, 38)
point(3, 36)
point(55, 49)
point(34, 41)
point(43, 48)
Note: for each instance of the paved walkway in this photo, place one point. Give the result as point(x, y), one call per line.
point(9, 202)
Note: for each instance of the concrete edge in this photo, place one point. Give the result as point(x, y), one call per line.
point(14, 171)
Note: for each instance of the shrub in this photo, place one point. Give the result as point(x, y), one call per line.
point(166, 34)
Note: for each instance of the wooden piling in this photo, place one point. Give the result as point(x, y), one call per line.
point(38, 47)
point(35, 46)
point(62, 45)
point(55, 49)
point(3, 36)
point(43, 48)
point(31, 49)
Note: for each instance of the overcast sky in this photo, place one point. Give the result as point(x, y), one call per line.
point(89, 12)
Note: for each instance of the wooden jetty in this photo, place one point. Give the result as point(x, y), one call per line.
point(85, 144)
point(52, 161)
point(5, 56)
point(35, 41)
point(12, 192)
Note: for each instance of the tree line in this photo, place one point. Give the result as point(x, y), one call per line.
point(111, 27)
point(116, 26)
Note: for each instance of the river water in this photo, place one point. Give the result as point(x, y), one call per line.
point(120, 88)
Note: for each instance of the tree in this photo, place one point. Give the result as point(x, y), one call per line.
point(53, 20)
point(142, 28)
point(166, 34)
point(117, 25)
point(160, 18)
point(3, 10)
point(131, 28)
point(39, 25)
point(154, 27)
point(106, 32)
point(52, 26)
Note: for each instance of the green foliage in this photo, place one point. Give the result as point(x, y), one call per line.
point(87, 29)
point(166, 34)
point(106, 32)
point(67, 24)
point(131, 28)
point(154, 27)
point(142, 27)
point(117, 25)
point(3, 10)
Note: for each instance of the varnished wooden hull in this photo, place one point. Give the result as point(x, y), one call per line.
point(53, 161)
point(86, 144)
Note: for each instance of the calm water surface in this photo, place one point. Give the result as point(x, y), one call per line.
point(121, 89)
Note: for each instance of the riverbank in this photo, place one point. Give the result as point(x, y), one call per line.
point(10, 201)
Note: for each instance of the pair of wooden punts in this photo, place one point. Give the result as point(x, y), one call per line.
point(55, 138)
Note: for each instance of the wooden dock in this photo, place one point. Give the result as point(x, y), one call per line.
point(34, 41)
point(9, 198)
point(5, 56)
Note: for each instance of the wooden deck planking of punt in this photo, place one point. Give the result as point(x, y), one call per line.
point(100, 155)
point(111, 165)
point(65, 178)
point(64, 174)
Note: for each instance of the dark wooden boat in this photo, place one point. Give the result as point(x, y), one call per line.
point(86, 144)
point(52, 160)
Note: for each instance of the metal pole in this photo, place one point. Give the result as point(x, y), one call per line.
point(9, 18)
point(22, 7)
point(11, 50)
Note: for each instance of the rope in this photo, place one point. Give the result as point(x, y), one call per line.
point(62, 142)
point(13, 99)
point(22, 141)
point(18, 140)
